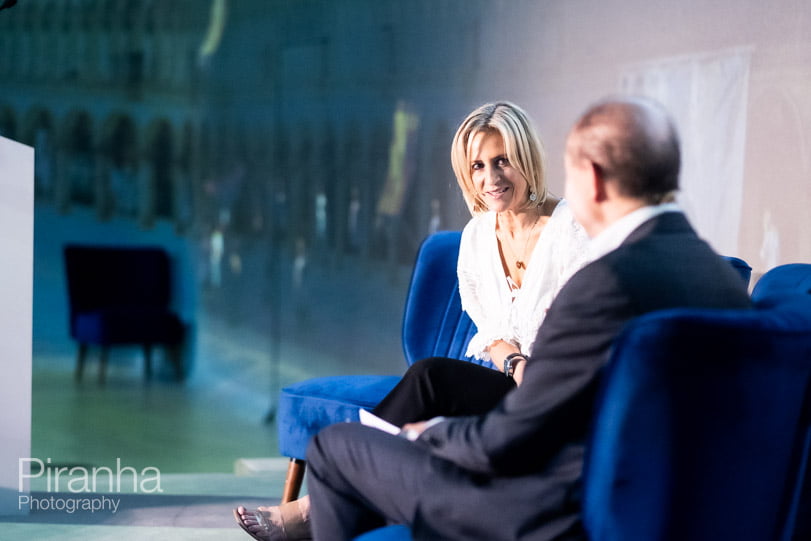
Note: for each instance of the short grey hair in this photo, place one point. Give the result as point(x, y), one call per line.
point(633, 142)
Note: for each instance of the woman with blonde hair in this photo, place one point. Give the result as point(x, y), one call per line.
point(519, 248)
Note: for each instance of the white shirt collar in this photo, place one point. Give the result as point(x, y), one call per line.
point(615, 234)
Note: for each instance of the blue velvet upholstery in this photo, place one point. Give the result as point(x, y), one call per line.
point(389, 533)
point(784, 280)
point(703, 427)
point(308, 406)
point(742, 267)
point(777, 286)
point(433, 325)
point(120, 296)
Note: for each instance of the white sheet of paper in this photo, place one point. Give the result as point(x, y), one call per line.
point(370, 419)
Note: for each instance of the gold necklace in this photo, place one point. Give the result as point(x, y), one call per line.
point(519, 263)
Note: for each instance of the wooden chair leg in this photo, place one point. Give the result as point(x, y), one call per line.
point(148, 361)
point(80, 357)
point(295, 476)
point(103, 364)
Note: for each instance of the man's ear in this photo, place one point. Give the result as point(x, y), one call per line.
point(598, 183)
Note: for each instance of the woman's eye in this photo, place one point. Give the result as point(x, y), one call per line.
point(476, 166)
point(503, 162)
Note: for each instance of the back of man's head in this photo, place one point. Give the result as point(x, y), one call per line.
point(632, 143)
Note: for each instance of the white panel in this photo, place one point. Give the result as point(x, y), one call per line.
point(16, 290)
point(707, 96)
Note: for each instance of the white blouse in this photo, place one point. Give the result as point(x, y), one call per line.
point(499, 312)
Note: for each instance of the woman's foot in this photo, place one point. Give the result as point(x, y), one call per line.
point(258, 524)
point(288, 522)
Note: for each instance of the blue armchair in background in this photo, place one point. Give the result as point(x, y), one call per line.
point(121, 296)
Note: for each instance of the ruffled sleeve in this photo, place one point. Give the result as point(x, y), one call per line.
point(469, 276)
point(482, 286)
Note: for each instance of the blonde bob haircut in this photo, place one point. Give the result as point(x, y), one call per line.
point(521, 143)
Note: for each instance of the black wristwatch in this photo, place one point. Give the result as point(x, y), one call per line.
point(509, 363)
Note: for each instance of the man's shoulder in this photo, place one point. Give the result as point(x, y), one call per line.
point(667, 237)
point(663, 246)
point(662, 226)
point(595, 280)
point(669, 265)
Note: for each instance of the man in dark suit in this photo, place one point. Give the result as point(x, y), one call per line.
point(515, 472)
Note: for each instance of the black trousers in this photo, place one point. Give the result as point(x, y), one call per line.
point(441, 386)
point(362, 478)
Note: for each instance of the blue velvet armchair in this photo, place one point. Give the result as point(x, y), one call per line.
point(703, 428)
point(433, 325)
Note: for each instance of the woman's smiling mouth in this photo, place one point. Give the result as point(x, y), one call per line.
point(498, 192)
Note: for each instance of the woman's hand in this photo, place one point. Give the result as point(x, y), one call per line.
point(498, 352)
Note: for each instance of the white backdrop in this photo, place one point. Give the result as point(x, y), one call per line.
point(707, 95)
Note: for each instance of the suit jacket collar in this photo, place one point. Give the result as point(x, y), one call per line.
point(663, 224)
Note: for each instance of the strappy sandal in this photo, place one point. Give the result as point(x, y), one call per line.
point(262, 522)
point(292, 527)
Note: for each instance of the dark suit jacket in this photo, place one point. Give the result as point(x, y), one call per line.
point(526, 456)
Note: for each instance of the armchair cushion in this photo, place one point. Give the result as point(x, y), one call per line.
point(308, 406)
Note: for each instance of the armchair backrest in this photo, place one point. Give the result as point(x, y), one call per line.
point(101, 277)
point(786, 284)
point(742, 267)
point(434, 324)
point(785, 280)
point(703, 427)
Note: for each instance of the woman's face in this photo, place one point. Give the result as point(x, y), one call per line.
point(499, 184)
